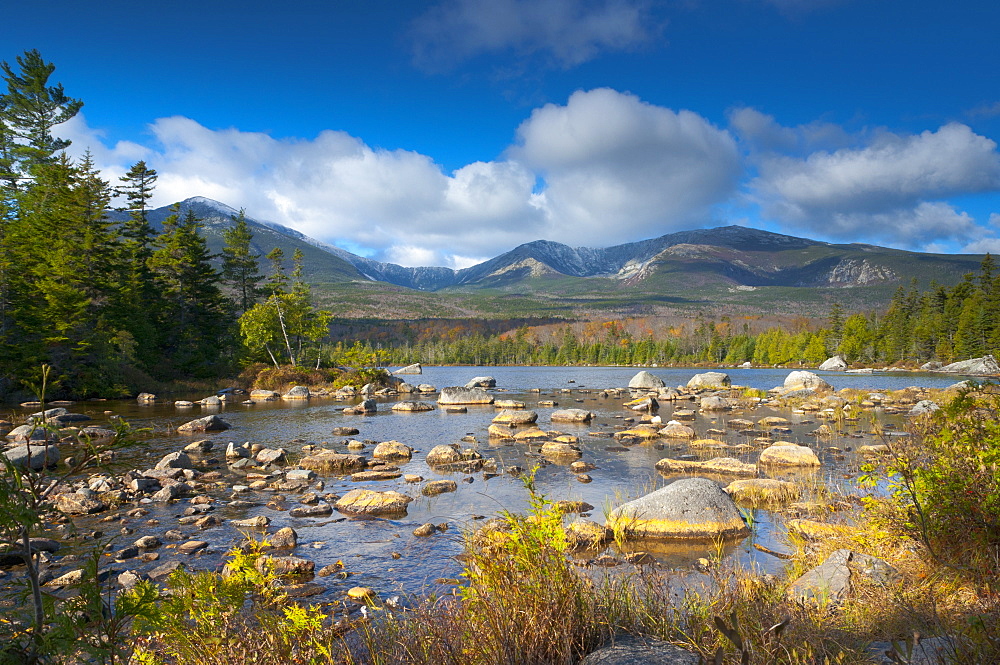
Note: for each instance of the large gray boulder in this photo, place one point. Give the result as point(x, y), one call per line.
point(297, 392)
point(692, 508)
point(801, 380)
point(985, 366)
point(415, 368)
point(922, 407)
point(36, 457)
point(834, 364)
point(571, 416)
point(645, 380)
point(482, 382)
point(462, 395)
point(709, 380)
point(25, 433)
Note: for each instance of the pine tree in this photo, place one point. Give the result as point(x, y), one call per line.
point(194, 321)
point(239, 263)
point(31, 108)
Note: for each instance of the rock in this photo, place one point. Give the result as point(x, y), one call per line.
point(345, 431)
point(802, 380)
point(297, 392)
point(276, 456)
point(631, 650)
point(211, 423)
point(677, 431)
point(834, 364)
point(985, 366)
point(923, 407)
point(238, 451)
point(647, 404)
point(375, 475)
point(645, 381)
point(531, 434)
point(192, 546)
point(145, 398)
point(212, 401)
point(130, 578)
point(284, 538)
point(35, 456)
point(784, 453)
point(199, 447)
point(508, 404)
point(425, 530)
point(500, 432)
point(264, 395)
point(176, 460)
point(581, 467)
point(461, 395)
point(587, 534)
point(515, 417)
point(392, 450)
point(258, 522)
point(709, 380)
point(426, 388)
point(436, 487)
point(319, 510)
point(727, 466)
point(330, 463)
point(773, 421)
point(482, 382)
point(830, 582)
point(364, 408)
point(759, 492)
point(811, 529)
point(299, 475)
point(147, 543)
point(33, 433)
point(70, 578)
point(78, 503)
point(412, 407)
point(287, 565)
point(415, 368)
point(370, 502)
point(443, 455)
point(360, 593)
point(691, 508)
point(571, 416)
point(164, 570)
point(715, 403)
point(560, 450)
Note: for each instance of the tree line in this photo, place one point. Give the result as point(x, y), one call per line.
point(111, 305)
point(940, 324)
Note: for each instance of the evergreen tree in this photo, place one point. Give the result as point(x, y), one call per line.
point(239, 263)
point(30, 109)
point(193, 321)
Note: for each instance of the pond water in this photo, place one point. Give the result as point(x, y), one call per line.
point(384, 554)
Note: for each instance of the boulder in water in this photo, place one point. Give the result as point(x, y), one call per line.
point(692, 508)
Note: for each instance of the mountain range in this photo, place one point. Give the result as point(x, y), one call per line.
point(729, 266)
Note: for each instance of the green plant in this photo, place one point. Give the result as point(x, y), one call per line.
point(240, 615)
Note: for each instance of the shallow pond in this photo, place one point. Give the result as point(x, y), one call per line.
point(384, 554)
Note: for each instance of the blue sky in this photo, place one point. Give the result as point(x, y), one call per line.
point(442, 133)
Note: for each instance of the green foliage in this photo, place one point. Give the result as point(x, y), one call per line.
point(239, 616)
point(239, 263)
point(947, 482)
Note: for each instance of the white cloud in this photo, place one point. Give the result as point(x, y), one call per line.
point(604, 168)
point(569, 32)
point(618, 169)
point(892, 188)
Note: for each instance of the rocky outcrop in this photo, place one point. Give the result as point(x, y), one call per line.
point(297, 392)
point(329, 462)
point(415, 368)
point(412, 407)
point(722, 466)
point(692, 508)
